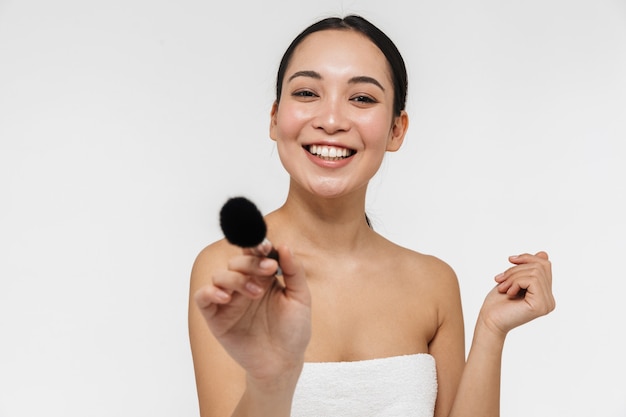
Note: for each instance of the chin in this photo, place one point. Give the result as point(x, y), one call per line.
point(326, 189)
point(332, 189)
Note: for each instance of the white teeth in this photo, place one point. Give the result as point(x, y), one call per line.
point(329, 152)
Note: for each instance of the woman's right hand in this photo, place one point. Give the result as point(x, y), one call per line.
point(265, 326)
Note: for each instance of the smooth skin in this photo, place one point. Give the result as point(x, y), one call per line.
point(346, 293)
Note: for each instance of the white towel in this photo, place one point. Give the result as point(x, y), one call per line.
point(399, 386)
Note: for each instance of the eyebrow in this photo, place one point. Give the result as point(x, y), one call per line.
point(310, 74)
point(354, 80)
point(365, 79)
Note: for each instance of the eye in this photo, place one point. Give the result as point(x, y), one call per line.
point(363, 99)
point(305, 94)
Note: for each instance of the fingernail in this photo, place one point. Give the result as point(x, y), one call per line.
point(222, 295)
point(499, 276)
point(252, 288)
point(266, 263)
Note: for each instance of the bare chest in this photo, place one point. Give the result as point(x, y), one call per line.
point(368, 316)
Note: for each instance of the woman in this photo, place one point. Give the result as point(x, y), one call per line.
point(351, 308)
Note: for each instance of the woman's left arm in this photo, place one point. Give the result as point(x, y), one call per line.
point(448, 344)
point(523, 293)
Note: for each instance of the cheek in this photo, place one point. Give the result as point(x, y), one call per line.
point(289, 122)
point(376, 129)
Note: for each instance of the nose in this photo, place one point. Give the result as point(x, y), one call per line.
point(332, 116)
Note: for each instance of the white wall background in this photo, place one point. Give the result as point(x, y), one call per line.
point(125, 125)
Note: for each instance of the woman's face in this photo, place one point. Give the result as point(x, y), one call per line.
point(335, 119)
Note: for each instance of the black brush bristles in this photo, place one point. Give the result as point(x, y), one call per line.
point(242, 223)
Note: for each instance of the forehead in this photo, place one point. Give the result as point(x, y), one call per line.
point(337, 51)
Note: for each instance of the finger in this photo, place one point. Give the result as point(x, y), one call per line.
point(209, 296)
point(532, 271)
point(514, 270)
point(517, 289)
point(525, 277)
point(537, 294)
point(528, 258)
point(525, 272)
point(540, 268)
point(293, 275)
point(231, 281)
point(253, 265)
point(509, 286)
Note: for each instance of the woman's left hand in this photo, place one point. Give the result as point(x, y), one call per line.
point(523, 293)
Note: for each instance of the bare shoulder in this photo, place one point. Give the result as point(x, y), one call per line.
point(214, 256)
point(428, 269)
point(426, 276)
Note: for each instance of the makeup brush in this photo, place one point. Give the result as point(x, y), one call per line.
point(243, 225)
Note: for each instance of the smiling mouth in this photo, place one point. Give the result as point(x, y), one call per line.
point(330, 153)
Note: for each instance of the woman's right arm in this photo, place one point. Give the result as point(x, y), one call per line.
point(248, 341)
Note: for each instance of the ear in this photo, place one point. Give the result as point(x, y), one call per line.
point(398, 131)
point(273, 121)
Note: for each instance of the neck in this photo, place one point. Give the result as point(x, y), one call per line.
point(334, 224)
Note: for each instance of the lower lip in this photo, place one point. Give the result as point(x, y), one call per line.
point(339, 163)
